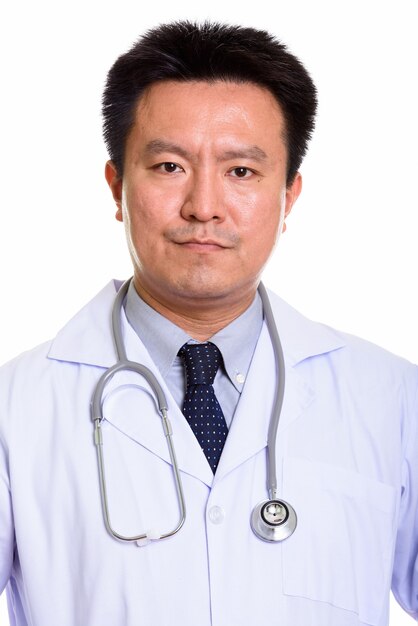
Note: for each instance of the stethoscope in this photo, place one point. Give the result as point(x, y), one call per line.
point(271, 520)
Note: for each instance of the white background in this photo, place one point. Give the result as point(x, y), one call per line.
point(349, 257)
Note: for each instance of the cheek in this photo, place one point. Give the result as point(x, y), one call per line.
point(259, 218)
point(148, 210)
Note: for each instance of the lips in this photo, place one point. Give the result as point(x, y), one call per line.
point(205, 242)
point(203, 245)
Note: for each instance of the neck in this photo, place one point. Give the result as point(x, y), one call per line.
point(199, 322)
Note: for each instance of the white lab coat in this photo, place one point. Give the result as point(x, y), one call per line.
point(347, 451)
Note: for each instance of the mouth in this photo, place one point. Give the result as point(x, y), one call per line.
point(202, 245)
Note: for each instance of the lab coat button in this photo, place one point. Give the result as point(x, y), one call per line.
point(216, 515)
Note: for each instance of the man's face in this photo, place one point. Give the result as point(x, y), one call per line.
point(203, 194)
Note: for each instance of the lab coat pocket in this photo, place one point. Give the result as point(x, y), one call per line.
point(341, 550)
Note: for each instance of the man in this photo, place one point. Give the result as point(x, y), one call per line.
point(206, 128)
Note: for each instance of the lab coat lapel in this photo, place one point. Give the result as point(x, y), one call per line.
point(249, 428)
point(301, 339)
point(129, 404)
point(130, 407)
point(145, 427)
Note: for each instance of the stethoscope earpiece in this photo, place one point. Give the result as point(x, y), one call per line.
point(273, 520)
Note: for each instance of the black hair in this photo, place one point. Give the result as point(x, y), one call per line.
point(186, 51)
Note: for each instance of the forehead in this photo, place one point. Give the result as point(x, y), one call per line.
point(209, 110)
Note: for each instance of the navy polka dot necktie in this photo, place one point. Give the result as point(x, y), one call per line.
point(201, 407)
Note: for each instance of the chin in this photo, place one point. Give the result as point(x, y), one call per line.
point(205, 286)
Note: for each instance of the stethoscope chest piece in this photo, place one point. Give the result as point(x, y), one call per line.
point(273, 520)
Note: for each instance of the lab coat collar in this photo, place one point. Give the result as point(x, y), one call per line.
point(87, 337)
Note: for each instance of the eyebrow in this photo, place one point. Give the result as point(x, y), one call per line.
point(253, 153)
point(158, 146)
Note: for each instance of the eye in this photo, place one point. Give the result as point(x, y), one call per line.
point(168, 167)
point(241, 172)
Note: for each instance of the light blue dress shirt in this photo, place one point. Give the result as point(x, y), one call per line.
point(163, 340)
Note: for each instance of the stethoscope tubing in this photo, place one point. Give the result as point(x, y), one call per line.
point(123, 364)
point(279, 394)
point(264, 530)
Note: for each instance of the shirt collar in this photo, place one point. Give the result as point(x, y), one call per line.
point(237, 341)
point(87, 337)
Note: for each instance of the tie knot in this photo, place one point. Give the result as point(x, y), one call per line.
point(202, 361)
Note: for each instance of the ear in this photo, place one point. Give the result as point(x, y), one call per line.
point(115, 183)
point(292, 194)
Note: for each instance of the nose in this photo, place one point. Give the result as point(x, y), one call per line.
point(204, 200)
